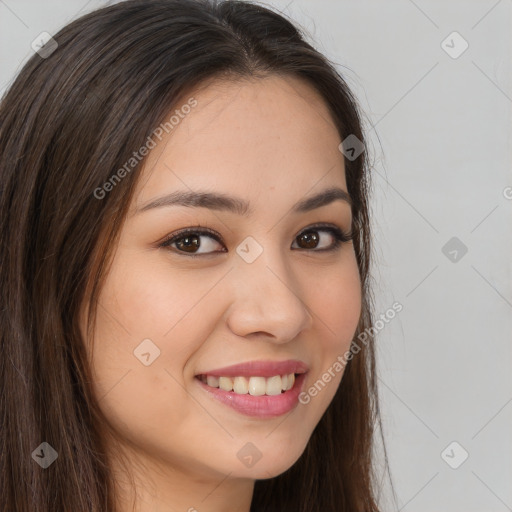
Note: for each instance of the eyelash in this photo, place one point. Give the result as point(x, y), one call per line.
point(340, 237)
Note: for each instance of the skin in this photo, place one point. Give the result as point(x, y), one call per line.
point(272, 142)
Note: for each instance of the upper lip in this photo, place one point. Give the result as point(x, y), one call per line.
point(259, 369)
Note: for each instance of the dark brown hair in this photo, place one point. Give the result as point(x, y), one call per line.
point(67, 124)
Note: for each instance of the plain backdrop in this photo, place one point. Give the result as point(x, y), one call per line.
point(438, 118)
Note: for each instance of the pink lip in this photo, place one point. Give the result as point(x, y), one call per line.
point(259, 369)
point(258, 406)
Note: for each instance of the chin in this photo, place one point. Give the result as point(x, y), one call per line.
point(273, 463)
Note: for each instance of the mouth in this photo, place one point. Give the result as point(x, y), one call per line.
point(262, 389)
point(254, 386)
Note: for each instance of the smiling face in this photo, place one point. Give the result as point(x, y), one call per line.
point(264, 287)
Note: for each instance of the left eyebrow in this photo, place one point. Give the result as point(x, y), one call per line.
point(239, 206)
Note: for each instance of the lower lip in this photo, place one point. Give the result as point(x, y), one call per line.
point(264, 406)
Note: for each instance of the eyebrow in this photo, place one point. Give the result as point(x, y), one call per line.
point(239, 206)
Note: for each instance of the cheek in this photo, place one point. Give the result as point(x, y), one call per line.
point(150, 300)
point(336, 307)
point(146, 310)
point(335, 301)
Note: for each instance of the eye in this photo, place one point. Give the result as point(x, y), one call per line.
point(187, 242)
point(312, 240)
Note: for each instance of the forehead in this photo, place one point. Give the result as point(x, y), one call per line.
point(247, 137)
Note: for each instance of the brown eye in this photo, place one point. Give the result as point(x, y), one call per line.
point(312, 240)
point(189, 241)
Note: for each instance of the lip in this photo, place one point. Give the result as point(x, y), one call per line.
point(259, 369)
point(264, 406)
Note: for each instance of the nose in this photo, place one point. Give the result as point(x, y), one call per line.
point(268, 300)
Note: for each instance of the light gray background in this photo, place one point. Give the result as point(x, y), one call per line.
point(440, 134)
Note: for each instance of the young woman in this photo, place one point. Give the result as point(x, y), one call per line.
point(186, 312)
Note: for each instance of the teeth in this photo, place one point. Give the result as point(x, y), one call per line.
point(226, 383)
point(255, 386)
point(212, 381)
point(241, 385)
point(273, 386)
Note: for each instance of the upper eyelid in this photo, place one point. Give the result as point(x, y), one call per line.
point(210, 231)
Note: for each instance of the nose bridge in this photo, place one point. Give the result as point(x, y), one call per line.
point(266, 296)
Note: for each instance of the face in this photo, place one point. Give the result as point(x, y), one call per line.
point(262, 300)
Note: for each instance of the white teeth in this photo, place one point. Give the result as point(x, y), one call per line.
point(212, 381)
point(226, 383)
point(273, 386)
point(291, 380)
point(255, 386)
point(241, 385)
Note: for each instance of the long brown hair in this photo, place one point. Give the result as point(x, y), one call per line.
point(72, 117)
